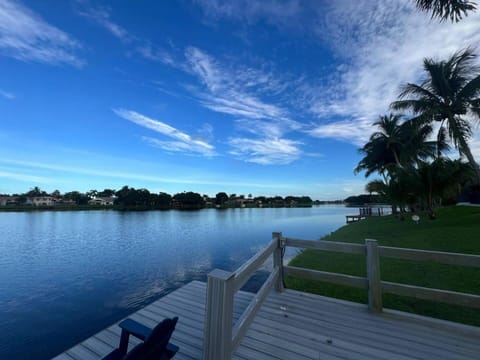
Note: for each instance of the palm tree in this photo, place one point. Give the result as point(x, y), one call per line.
point(397, 189)
point(444, 9)
point(382, 150)
point(396, 145)
point(450, 94)
point(435, 180)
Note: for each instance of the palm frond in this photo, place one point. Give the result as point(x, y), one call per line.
point(471, 90)
point(459, 131)
point(454, 10)
point(417, 91)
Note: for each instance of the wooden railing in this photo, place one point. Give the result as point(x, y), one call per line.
point(222, 336)
point(373, 283)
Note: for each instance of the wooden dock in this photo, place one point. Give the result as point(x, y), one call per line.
point(353, 218)
point(295, 325)
point(218, 321)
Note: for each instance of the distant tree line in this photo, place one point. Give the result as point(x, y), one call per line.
point(366, 199)
point(129, 198)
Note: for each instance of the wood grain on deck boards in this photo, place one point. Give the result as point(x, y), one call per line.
point(295, 325)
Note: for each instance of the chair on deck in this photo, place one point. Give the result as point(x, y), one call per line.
point(155, 344)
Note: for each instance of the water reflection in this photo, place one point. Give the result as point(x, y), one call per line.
point(67, 275)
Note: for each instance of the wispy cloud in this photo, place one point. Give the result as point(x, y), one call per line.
point(266, 151)
point(382, 45)
point(23, 177)
point(230, 91)
point(273, 11)
point(26, 36)
point(182, 142)
point(237, 91)
point(102, 17)
point(7, 94)
point(379, 45)
point(149, 52)
point(112, 173)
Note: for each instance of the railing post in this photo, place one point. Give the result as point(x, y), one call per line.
point(217, 342)
point(373, 275)
point(278, 260)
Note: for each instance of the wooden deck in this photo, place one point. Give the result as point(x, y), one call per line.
point(293, 325)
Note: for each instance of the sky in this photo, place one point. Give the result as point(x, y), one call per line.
point(247, 97)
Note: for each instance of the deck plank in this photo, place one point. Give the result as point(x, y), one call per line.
point(295, 325)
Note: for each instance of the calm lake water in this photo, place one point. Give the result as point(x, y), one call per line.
point(66, 275)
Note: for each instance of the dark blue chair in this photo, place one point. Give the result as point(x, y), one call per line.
point(155, 345)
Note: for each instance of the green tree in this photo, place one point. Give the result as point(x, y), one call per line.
point(450, 95)
point(36, 191)
point(79, 198)
point(396, 144)
point(56, 193)
point(189, 200)
point(164, 201)
point(397, 189)
point(447, 9)
point(439, 179)
point(221, 198)
point(106, 193)
point(92, 193)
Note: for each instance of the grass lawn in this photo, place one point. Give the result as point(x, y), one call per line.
point(456, 229)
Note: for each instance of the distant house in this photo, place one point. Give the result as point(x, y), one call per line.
point(65, 202)
point(8, 200)
point(102, 201)
point(43, 201)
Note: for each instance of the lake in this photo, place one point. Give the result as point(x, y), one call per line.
point(66, 275)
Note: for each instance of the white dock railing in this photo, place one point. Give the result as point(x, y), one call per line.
point(222, 337)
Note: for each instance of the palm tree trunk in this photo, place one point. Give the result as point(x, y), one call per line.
point(396, 159)
point(466, 151)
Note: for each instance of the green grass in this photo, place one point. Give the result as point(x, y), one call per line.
point(456, 229)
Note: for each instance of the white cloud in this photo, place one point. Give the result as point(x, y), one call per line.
point(348, 131)
point(113, 173)
point(266, 151)
point(101, 16)
point(229, 91)
point(475, 146)
point(273, 11)
point(26, 36)
point(259, 127)
point(380, 46)
point(23, 177)
point(156, 54)
point(182, 141)
point(235, 91)
point(383, 45)
point(7, 95)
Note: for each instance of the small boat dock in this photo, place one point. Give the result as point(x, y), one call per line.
point(218, 321)
point(365, 212)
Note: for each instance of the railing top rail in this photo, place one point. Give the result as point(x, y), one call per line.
point(430, 255)
point(441, 257)
point(244, 272)
point(327, 245)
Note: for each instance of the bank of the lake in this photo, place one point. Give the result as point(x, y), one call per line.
point(456, 229)
point(65, 275)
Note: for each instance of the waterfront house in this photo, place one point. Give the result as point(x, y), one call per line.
point(102, 201)
point(43, 201)
point(8, 200)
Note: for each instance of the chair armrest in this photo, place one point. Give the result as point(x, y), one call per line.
point(172, 350)
point(135, 328)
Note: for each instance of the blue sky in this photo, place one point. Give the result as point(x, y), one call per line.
point(268, 98)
